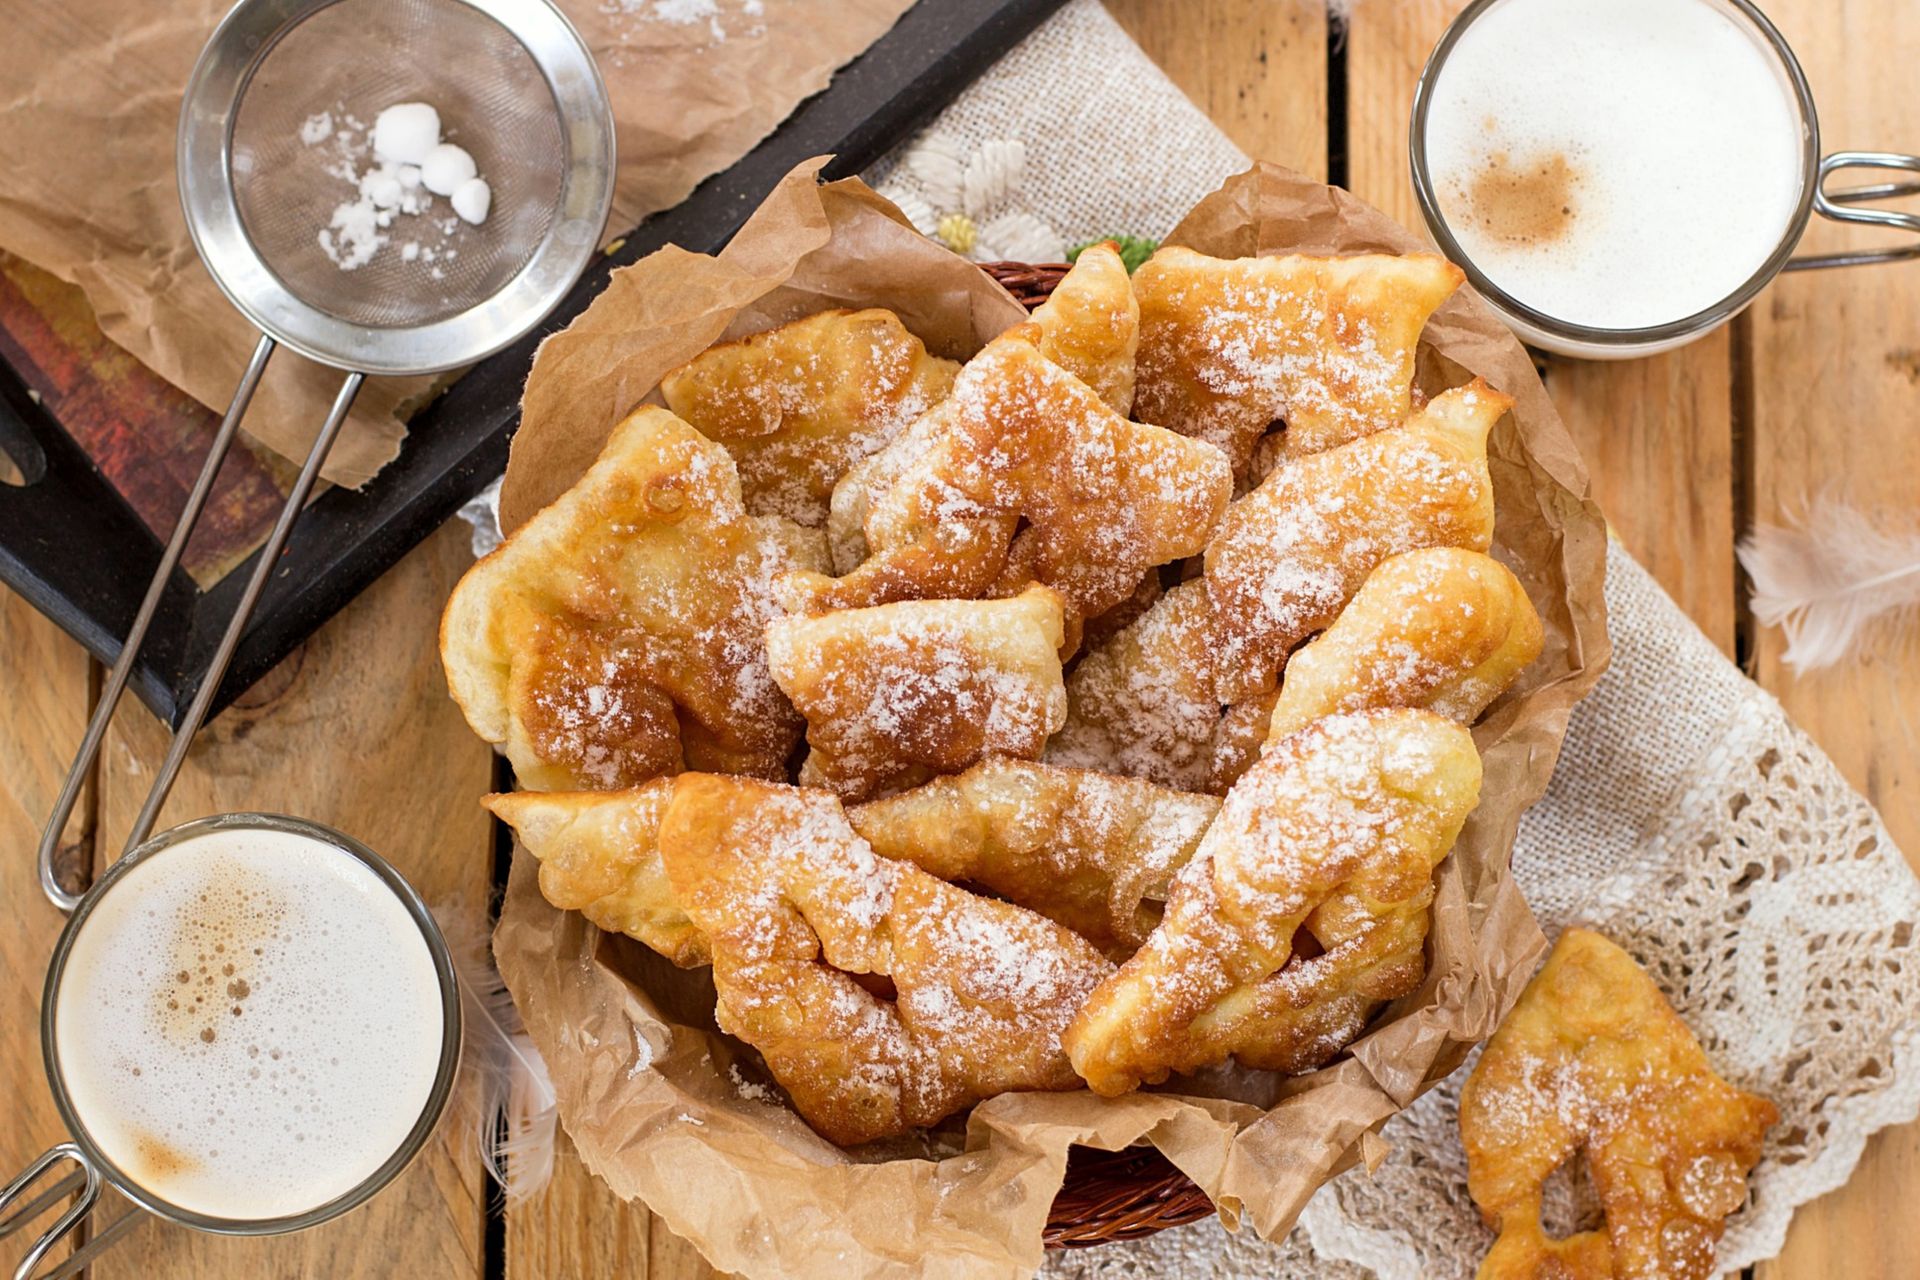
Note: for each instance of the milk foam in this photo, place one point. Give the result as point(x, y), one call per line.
point(249, 1024)
point(1681, 145)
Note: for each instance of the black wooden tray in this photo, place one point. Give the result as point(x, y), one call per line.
point(71, 545)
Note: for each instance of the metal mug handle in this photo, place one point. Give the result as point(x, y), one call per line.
point(86, 1181)
point(1835, 205)
point(266, 563)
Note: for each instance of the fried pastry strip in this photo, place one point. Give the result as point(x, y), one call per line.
point(1441, 627)
point(795, 904)
point(1104, 499)
point(1593, 1059)
point(864, 484)
point(1089, 326)
point(617, 635)
point(599, 854)
point(1083, 849)
point(893, 692)
point(1142, 703)
point(1327, 344)
point(798, 405)
point(1337, 828)
point(1304, 1015)
point(1290, 554)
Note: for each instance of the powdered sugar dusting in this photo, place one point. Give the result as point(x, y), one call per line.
point(1325, 344)
point(1143, 703)
point(1293, 552)
point(984, 989)
point(1362, 805)
point(1104, 499)
point(799, 405)
point(937, 683)
point(1441, 627)
point(646, 653)
point(1084, 849)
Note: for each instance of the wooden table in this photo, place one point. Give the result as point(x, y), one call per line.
point(1816, 385)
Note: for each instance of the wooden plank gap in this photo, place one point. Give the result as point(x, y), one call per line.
point(493, 1241)
point(493, 1233)
point(1744, 482)
point(1337, 165)
point(502, 840)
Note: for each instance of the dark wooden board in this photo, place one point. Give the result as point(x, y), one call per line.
point(71, 545)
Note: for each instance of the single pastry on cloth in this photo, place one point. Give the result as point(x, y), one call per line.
point(798, 405)
point(599, 854)
point(1441, 627)
point(1142, 703)
point(617, 635)
point(1594, 1060)
point(894, 693)
point(1089, 326)
point(1335, 830)
point(805, 923)
point(1290, 554)
point(1083, 849)
point(1227, 346)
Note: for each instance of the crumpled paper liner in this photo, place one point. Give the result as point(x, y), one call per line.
point(671, 1112)
point(90, 90)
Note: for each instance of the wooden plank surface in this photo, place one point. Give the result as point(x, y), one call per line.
point(1259, 71)
point(355, 731)
point(1836, 382)
point(43, 687)
point(1817, 385)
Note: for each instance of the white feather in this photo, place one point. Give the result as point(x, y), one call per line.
point(1830, 578)
point(505, 1097)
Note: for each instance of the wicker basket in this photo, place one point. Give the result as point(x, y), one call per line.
point(1108, 1195)
point(1030, 283)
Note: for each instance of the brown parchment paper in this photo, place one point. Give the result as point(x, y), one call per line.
point(90, 95)
point(653, 1094)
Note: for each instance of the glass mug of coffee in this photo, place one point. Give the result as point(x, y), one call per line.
point(250, 1025)
point(1620, 177)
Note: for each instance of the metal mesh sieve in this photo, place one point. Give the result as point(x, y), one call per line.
point(348, 61)
point(516, 86)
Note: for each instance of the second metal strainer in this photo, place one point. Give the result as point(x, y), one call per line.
point(515, 85)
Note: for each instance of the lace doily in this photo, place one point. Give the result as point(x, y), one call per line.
point(1691, 822)
point(1763, 895)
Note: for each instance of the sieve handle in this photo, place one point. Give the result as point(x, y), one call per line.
point(85, 1180)
point(116, 682)
point(1837, 205)
point(269, 556)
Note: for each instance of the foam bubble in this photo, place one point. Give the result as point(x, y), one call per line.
point(1615, 163)
point(249, 1024)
